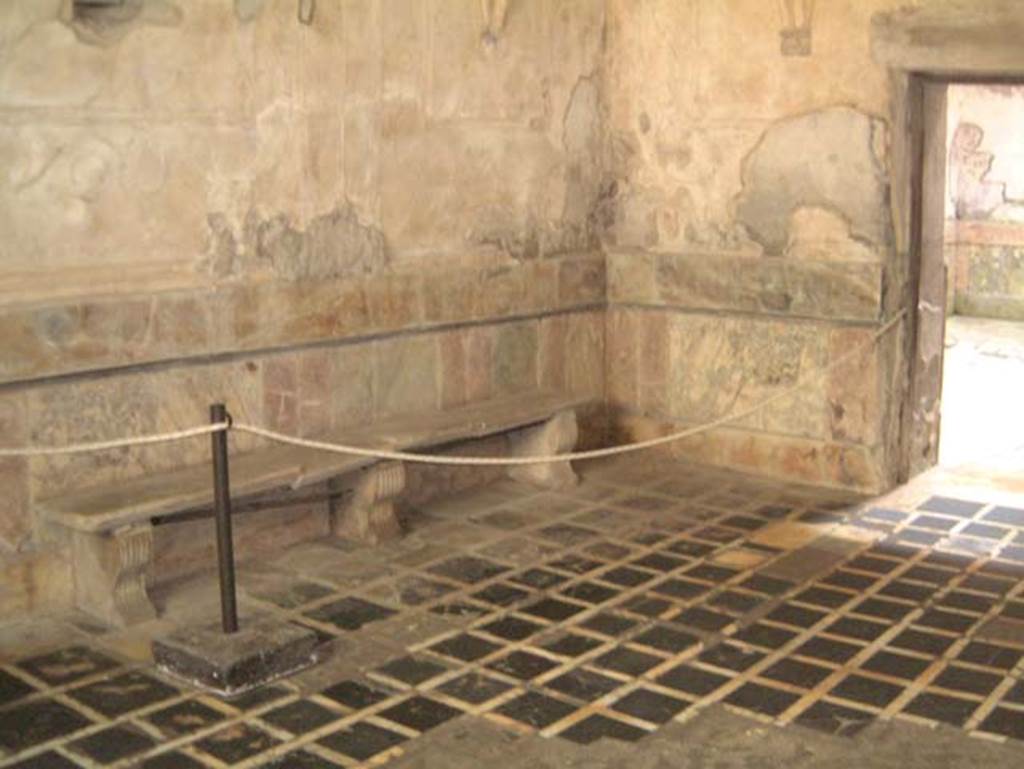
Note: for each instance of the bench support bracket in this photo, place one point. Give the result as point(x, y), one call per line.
point(556, 436)
point(368, 515)
point(110, 574)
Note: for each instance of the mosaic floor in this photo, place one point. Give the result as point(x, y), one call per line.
point(632, 603)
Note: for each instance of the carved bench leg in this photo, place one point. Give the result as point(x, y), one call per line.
point(110, 574)
point(556, 436)
point(368, 515)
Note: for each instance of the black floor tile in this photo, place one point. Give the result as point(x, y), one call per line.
point(582, 684)
point(362, 741)
point(680, 588)
point(883, 609)
point(946, 620)
point(590, 592)
point(922, 642)
point(568, 534)
point(967, 680)
point(962, 508)
point(172, 760)
point(185, 718)
point(460, 609)
point(717, 535)
point(659, 562)
point(553, 609)
point(736, 602)
point(466, 647)
point(301, 759)
point(572, 645)
point(355, 695)
point(474, 688)
point(872, 564)
point(122, 694)
point(796, 673)
point(883, 514)
point(796, 616)
point(908, 591)
point(111, 745)
point(468, 569)
point(918, 537)
point(849, 580)
point(609, 624)
point(689, 548)
point(412, 670)
point(666, 639)
point(980, 583)
point(710, 573)
point(838, 720)
point(762, 699)
point(868, 691)
point(300, 717)
point(939, 707)
point(536, 710)
point(650, 706)
point(523, 665)
point(575, 564)
point(744, 522)
point(68, 665)
point(12, 688)
point(1009, 515)
point(991, 655)
point(609, 551)
point(512, 628)
point(765, 636)
point(538, 578)
point(596, 727)
point(1013, 553)
point(1008, 723)
point(628, 661)
point(351, 613)
point(767, 585)
point(237, 743)
point(646, 606)
point(501, 594)
point(33, 723)
point(985, 531)
point(896, 665)
point(858, 629)
point(977, 604)
point(933, 522)
point(420, 713)
point(693, 680)
point(259, 697)
point(825, 597)
point(699, 618)
point(829, 650)
point(47, 760)
point(731, 657)
point(627, 576)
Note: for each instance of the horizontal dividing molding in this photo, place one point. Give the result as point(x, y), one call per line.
point(831, 291)
point(757, 317)
point(236, 320)
point(241, 355)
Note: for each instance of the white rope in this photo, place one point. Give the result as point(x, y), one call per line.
point(404, 456)
point(119, 443)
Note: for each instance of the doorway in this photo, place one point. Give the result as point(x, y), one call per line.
point(982, 405)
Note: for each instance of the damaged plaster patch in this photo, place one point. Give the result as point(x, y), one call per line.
point(103, 25)
point(826, 160)
point(334, 244)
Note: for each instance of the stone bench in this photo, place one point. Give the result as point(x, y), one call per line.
point(111, 526)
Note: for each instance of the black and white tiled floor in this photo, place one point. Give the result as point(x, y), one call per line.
point(642, 597)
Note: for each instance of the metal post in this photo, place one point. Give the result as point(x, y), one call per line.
point(222, 508)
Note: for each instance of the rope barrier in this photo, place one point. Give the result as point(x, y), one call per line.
point(405, 456)
point(120, 443)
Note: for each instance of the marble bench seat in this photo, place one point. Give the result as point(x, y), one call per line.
point(111, 526)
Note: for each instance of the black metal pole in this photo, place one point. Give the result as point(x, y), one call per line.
point(222, 508)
